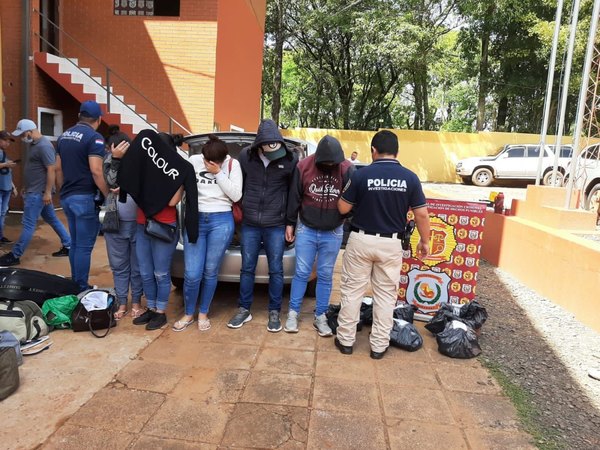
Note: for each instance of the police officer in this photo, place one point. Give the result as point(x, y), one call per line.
point(380, 196)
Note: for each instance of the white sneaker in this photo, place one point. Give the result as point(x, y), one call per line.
point(291, 324)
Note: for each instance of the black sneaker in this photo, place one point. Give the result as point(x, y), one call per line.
point(64, 251)
point(274, 324)
point(144, 318)
point(158, 321)
point(5, 240)
point(240, 318)
point(9, 260)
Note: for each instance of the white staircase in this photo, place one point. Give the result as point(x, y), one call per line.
point(94, 85)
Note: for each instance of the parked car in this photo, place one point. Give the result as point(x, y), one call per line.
point(587, 176)
point(515, 162)
point(232, 262)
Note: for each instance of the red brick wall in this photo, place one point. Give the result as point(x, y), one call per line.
point(170, 59)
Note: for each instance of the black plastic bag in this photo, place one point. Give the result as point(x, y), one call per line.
point(458, 340)
point(473, 314)
point(405, 312)
point(332, 314)
point(366, 313)
point(332, 317)
point(404, 335)
point(438, 322)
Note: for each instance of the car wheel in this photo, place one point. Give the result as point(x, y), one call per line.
point(311, 288)
point(177, 282)
point(547, 180)
point(592, 199)
point(467, 180)
point(482, 177)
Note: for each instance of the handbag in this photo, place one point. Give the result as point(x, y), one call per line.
point(95, 311)
point(236, 207)
point(110, 223)
point(159, 230)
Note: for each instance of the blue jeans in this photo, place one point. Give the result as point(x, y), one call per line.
point(84, 225)
point(203, 259)
point(33, 207)
point(324, 246)
point(4, 201)
point(154, 258)
point(273, 241)
point(123, 261)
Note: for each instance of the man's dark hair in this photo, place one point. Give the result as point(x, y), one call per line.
point(116, 136)
point(385, 142)
point(215, 149)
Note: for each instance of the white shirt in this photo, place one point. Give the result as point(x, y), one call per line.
point(217, 192)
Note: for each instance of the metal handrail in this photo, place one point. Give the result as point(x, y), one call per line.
point(109, 71)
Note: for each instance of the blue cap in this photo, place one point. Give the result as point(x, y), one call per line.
point(90, 109)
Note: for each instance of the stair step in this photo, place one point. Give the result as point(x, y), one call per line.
point(93, 85)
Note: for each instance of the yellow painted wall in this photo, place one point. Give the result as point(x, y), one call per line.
point(431, 155)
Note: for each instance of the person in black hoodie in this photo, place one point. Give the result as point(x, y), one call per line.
point(155, 175)
point(317, 226)
point(268, 168)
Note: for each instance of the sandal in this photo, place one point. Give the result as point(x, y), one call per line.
point(118, 315)
point(203, 324)
point(181, 325)
point(137, 312)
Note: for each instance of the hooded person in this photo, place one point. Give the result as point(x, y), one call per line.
point(268, 168)
point(314, 221)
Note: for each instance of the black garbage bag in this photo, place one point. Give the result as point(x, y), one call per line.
point(366, 313)
point(332, 314)
point(473, 314)
point(438, 322)
point(458, 340)
point(332, 317)
point(404, 335)
point(405, 312)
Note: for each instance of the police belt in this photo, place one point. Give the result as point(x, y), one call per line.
point(385, 235)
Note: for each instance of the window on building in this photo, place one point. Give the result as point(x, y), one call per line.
point(50, 123)
point(146, 7)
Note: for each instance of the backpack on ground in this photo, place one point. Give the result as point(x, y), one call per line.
point(9, 372)
point(23, 318)
point(8, 340)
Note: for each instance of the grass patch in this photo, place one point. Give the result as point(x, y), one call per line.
point(545, 438)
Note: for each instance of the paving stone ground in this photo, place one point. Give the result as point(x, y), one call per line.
point(249, 388)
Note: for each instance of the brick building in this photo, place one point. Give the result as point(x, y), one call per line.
point(176, 65)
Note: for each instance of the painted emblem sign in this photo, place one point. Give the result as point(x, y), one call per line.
point(449, 273)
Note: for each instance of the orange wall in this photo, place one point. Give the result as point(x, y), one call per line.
point(239, 63)
point(559, 265)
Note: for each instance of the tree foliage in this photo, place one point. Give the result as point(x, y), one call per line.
point(455, 65)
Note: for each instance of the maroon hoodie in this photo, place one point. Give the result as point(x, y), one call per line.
point(316, 189)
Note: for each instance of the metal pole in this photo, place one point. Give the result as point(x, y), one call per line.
point(565, 88)
point(25, 57)
point(107, 90)
point(585, 78)
point(549, 84)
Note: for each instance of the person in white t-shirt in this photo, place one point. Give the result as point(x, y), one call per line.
point(354, 158)
point(219, 179)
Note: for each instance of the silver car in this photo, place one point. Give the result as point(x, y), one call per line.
point(232, 262)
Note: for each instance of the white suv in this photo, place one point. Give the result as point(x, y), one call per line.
point(515, 162)
point(587, 176)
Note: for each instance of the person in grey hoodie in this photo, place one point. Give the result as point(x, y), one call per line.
point(268, 167)
point(313, 220)
point(120, 247)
